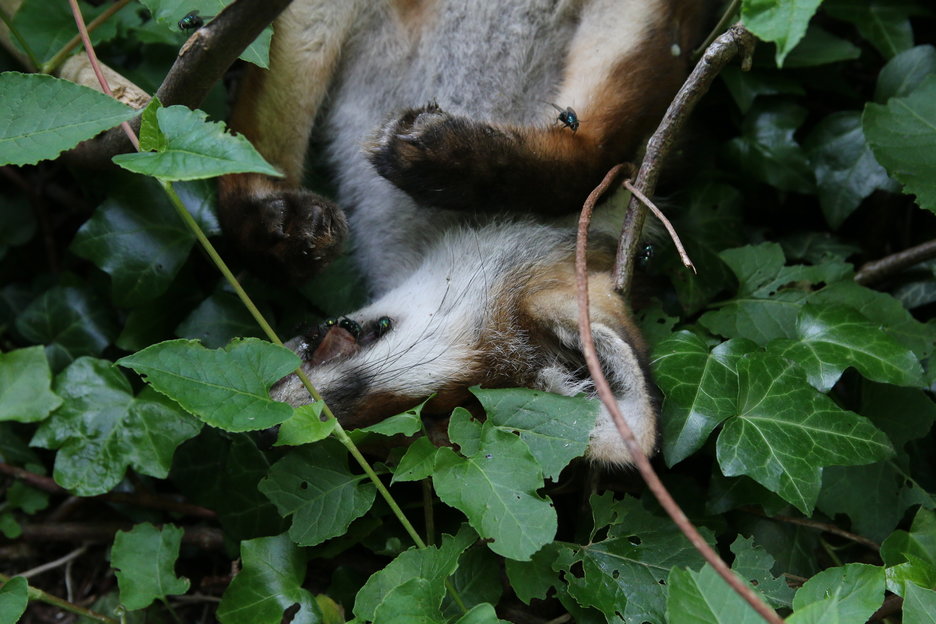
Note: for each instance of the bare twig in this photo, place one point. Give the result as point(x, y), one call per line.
point(878, 270)
point(637, 455)
point(687, 262)
point(736, 40)
point(892, 604)
point(206, 538)
point(819, 526)
point(201, 63)
point(51, 565)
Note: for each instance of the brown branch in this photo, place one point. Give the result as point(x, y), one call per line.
point(201, 62)
point(206, 538)
point(825, 527)
point(607, 398)
point(878, 270)
point(138, 499)
point(736, 40)
point(892, 604)
point(683, 255)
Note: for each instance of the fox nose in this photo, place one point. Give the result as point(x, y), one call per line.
point(337, 343)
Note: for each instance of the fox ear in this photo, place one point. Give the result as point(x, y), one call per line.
point(622, 354)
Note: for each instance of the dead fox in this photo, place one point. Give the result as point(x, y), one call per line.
point(439, 121)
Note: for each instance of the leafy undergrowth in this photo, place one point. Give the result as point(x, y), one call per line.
point(148, 477)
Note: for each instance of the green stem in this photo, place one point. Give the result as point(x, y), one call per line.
point(73, 43)
point(38, 594)
point(19, 38)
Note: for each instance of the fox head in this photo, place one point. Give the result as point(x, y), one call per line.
point(492, 306)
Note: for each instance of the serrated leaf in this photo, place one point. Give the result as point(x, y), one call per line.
point(195, 148)
point(14, 596)
point(495, 487)
point(25, 386)
point(42, 116)
point(314, 485)
point(831, 338)
point(846, 170)
point(432, 564)
point(755, 565)
point(555, 428)
point(417, 463)
point(138, 240)
point(904, 73)
point(408, 423)
point(101, 429)
point(624, 574)
point(226, 388)
point(269, 584)
point(305, 426)
point(884, 23)
point(855, 591)
point(785, 432)
point(701, 389)
point(902, 135)
point(783, 22)
point(144, 559)
point(703, 597)
point(919, 606)
point(70, 321)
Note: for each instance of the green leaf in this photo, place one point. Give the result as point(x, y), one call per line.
point(477, 580)
point(701, 389)
point(314, 486)
point(624, 574)
point(902, 135)
point(417, 463)
point(855, 591)
point(195, 148)
point(408, 423)
point(904, 73)
point(831, 338)
point(820, 47)
point(533, 578)
point(268, 585)
point(481, 614)
point(746, 86)
point(495, 487)
point(101, 429)
point(42, 116)
point(555, 428)
point(910, 556)
point(25, 380)
point(144, 559)
point(14, 596)
point(17, 222)
point(218, 320)
point(767, 149)
point(780, 21)
point(845, 168)
point(904, 414)
point(785, 432)
point(703, 597)
point(919, 606)
point(306, 425)
point(415, 601)
point(226, 388)
point(48, 26)
point(71, 321)
point(431, 564)
point(138, 240)
point(884, 23)
point(755, 565)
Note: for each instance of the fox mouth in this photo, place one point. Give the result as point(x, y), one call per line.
point(337, 339)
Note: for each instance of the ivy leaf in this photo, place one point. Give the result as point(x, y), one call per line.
point(314, 486)
point(495, 487)
point(269, 584)
point(703, 597)
point(431, 564)
point(144, 559)
point(226, 388)
point(701, 389)
point(25, 380)
point(904, 73)
point(884, 23)
point(755, 565)
point(42, 116)
point(783, 22)
point(910, 556)
point(919, 606)
point(195, 148)
point(854, 591)
point(902, 135)
point(14, 596)
point(846, 171)
point(832, 338)
point(218, 320)
point(624, 574)
point(71, 321)
point(785, 432)
point(555, 428)
point(101, 429)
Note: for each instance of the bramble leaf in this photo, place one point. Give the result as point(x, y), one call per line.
point(703, 597)
point(780, 21)
point(144, 559)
